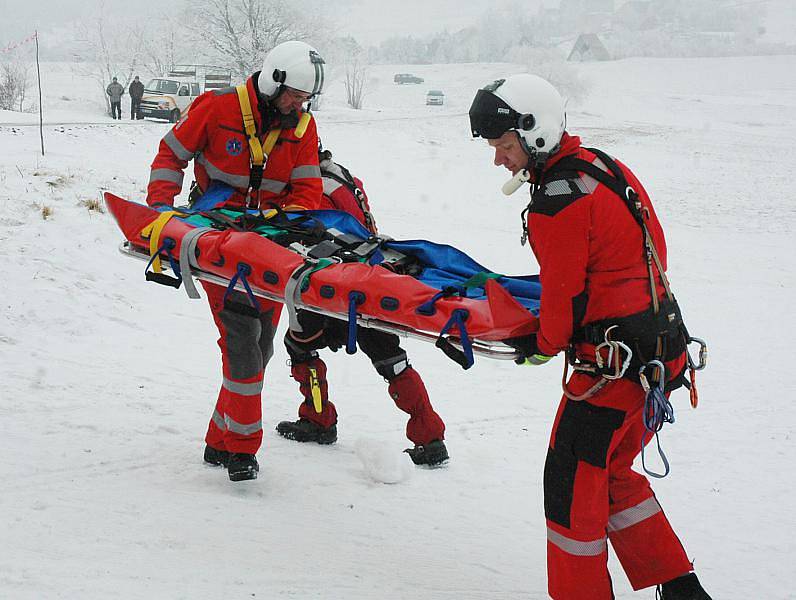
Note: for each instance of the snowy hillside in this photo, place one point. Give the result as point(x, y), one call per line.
point(108, 381)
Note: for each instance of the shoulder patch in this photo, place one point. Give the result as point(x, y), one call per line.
point(556, 195)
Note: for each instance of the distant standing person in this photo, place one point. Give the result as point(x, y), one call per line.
point(115, 91)
point(136, 93)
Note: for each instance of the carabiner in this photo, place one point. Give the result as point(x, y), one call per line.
point(703, 354)
point(642, 376)
point(615, 349)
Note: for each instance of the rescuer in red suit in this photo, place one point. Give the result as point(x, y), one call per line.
point(425, 429)
point(590, 246)
point(213, 135)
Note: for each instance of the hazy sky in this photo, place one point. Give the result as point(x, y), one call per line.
point(370, 21)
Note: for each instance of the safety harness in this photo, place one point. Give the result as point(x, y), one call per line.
point(637, 346)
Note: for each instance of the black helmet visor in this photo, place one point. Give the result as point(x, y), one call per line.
point(491, 117)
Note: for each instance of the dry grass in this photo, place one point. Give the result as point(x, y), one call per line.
point(93, 204)
point(46, 212)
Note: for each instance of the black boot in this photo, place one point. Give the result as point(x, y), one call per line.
point(432, 454)
point(686, 587)
point(217, 458)
point(304, 430)
point(242, 467)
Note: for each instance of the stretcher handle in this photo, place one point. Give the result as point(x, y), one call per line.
point(164, 279)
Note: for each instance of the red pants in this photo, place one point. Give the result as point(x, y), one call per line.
point(592, 495)
point(246, 343)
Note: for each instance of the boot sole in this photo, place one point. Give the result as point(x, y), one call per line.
point(289, 435)
point(243, 476)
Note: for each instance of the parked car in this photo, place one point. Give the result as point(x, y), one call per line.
point(407, 78)
point(171, 96)
point(435, 97)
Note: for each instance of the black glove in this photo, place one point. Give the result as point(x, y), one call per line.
point(529, 350)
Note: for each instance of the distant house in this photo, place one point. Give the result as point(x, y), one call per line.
point(588, 47)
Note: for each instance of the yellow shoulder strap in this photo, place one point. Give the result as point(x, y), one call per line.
point(258, 157)
point(303, 123)
point(153, 230)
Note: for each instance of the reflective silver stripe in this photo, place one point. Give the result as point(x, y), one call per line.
point(176, 146)
point(397, 364)
point(305, 172)
point(576, 547)
point(242, 429)
point(330, 186)
point(633, 515)
point(557, 188)
point(225, 91)
point(272, 185)
point(219, 421)
point(238, 181)
point(243, 389)
point(166, 175)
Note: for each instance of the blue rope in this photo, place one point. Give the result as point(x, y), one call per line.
point(458, 317)
point(657, 411)
point(242, 272)
point(167, 246)
point(428, 308)
point(354, 300)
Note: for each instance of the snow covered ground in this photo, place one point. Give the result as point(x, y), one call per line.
point(107, 382)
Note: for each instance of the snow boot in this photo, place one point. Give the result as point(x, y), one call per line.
point(242, 467)
point(686, 587)
point(432, 454)
point(215, 457)
point(305, 430)
point(313, 425)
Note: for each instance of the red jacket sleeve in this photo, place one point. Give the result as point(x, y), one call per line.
point(560, 240)
point(177, 148)
point(306, 187)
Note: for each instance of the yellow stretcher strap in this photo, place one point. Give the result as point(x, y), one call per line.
point(153, 230)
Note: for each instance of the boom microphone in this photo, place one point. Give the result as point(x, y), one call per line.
point(513, 184)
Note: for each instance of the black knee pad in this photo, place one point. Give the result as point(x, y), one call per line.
point(584, 433)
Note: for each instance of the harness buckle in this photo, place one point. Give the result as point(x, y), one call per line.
point(616, 365)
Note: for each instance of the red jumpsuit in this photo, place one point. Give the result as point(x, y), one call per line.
point(213, 135)
point(592, 267)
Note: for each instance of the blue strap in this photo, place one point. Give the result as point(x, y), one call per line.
point(167, 246)
point(657, 411)
point(243, 271)
point(457, 319)
point(428, 308)
point(354, 299)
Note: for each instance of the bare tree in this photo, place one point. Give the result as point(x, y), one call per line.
point(13, 85)
point(237, 34)
point(356, 72)
point(113, 48)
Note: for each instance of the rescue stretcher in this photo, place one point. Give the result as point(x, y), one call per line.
point(328, 263)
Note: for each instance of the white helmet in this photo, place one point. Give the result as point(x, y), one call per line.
point(292, 64)
point(524, 103)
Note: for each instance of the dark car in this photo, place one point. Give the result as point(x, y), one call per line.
point(407, 78)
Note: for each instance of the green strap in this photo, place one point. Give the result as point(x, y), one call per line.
point(480, 279)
